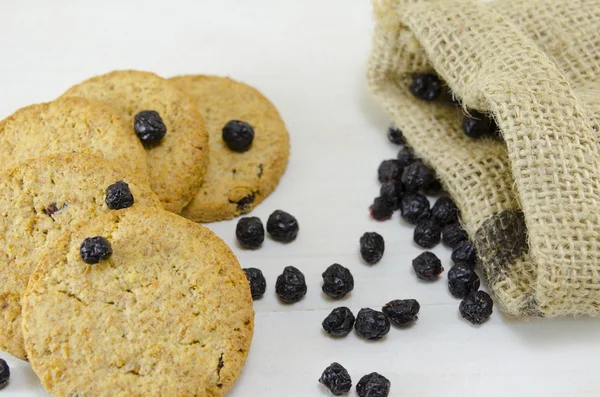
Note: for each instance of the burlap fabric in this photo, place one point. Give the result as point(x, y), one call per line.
point(531, 204)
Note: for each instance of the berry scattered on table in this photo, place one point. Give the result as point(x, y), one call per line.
point(290, 285)
point(282, 226)
point(427, 234)
point(250, 232)
point(336, 379)
point(462, 281)
point(258, 283)
point(337, 281)
point(373, 385)
point(149, 127)
point(417, 176)
point(402, 311)
point(478, 124)
point(339, 322)
point(427, 87)
point(4, 373)
point(444, 212)
point(238, 135)
point(381, 209)
point(465, 252)
point(453, 234)
point(118, 196)
point(371, 324)
point(427, 266)
point(477, 307)
point(391, 191)
point(406, 157)
point(95, 249)
point(372, 247)
point(389, 170)
point(414, 208)
point(435, 188)
point(395, 135)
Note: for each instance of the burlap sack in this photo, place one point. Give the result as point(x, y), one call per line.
point(531, 204)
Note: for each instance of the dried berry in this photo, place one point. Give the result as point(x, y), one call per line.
point(336, 379)
point(476, 307)
point(373, 385)
point(389, 170)
point(444, 212)
point(395, 135)
point(391, 191)
point(118, 196)
point(282, 226)
point(478, 124)
point(427, 234)
point(290, 285)
point(339, 322)
point(414, 208)
point(427, 266)
point(4, 373)
point(464, 252)
point(417, 176)
point(453, 234)
point(372, 247)
point(250, 232)
point(434, 189)
point(238, 135)
point(406, 157)
point(371, 324)
point(149, 127)
point(381, 209)
point(258, 284)
point(462, 280)
point(427, 87)
point(337, 281)
point(95, 249)
point(402, 311)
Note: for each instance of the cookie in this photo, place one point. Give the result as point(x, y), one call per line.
point(71, 125)
point(169, 313)
point(40, 199)
point(235, 182)
point(178, 162)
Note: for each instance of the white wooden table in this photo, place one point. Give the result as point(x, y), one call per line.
point(309, 57)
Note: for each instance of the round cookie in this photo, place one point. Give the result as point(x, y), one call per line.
point(71, 125)
point(168, 314)
point(234, 182)
point(40, 199)
point(177, 164)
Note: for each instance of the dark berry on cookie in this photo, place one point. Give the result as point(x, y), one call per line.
point(402, 311)
point(95, 249)
point(427, 87)
point(337, 281)
point(149, 127)
point(371, 324)
point(250, 232)
point(427, 266)
point(373, 385)
point(238, 135)
point(258, 284)
point(118, 196)
point(336, 379)
point(339, 322)
point(290, 285)
point(282, 226)
point(372, 247)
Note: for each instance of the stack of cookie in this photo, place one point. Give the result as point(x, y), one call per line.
point(106, 291)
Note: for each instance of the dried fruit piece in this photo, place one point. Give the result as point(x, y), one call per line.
point(250, 232)
point(149, 127)
point(453, 234)
point(406, 157)
point(465, 252)
point(371, 324)
point(417, 176)
point(372, 247)
point(427, 87)
point(478, 124)
point(337, 281)
point(444, 211)
point(373, 385)
point(4, 373)
point(427, 234)
point(118, 196)
point(95, 249)
point(427, 266)
point(414, 208)
point(395, 135)
point(339, 322)
point(238, 135)
point(389, 170)
point(402, 311)
point(258, 283)
point(462, 280)
point(336, 379)
point(477, 307)
point(290, 285)
point(381, 209)
point(391, 191)
point(282, 226)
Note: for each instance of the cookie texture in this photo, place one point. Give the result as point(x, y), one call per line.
point(71, 125)
point(177, 164)
point(235, 182)
point(41, 199)
point(168, 314)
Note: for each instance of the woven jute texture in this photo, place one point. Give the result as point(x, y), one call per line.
point(531, 203)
